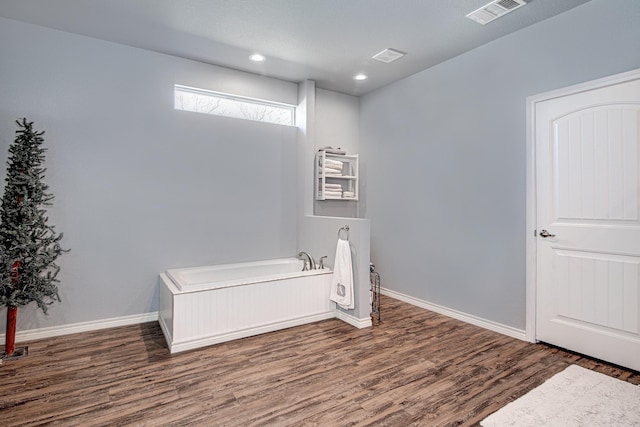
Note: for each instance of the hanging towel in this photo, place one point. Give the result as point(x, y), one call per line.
point(342, 282)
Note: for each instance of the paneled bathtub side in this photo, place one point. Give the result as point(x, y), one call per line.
point(165, 314)
point(213, 316)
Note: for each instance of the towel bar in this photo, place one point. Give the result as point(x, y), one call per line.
point(346, 230)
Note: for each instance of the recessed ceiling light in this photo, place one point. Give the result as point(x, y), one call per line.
point(360, 77)
point(256, 57)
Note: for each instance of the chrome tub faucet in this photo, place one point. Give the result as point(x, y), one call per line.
point(310, 264)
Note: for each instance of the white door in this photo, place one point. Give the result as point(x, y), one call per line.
point(587, 148)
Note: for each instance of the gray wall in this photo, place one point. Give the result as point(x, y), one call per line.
point(318, 236)
point(330, 118)
point(337, 125)
point(445, 157)
point(139, 186)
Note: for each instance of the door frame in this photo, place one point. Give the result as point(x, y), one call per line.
point(531, 238)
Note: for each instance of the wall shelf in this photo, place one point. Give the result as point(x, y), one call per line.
point(336, 176)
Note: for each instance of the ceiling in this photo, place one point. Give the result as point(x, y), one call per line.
point(328, 41)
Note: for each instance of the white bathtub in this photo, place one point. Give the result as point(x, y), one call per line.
point(201, 306)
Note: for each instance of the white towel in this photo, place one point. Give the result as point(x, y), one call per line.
point(348, 194)
point(336, 165)
point(333, 168)
point(336, 187)
point(332, 150)
point(342, 282)
point(333, 193)
point(330, 162)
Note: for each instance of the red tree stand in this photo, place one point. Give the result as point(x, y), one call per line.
point(10, 350)
point(12, 315)
point(10, 338)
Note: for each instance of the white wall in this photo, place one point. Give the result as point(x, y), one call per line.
point(445, 154)
point(139, 186)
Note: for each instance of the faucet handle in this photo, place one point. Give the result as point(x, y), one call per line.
point(321, 265)
point(303, 256)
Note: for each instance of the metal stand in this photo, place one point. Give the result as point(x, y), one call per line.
point(18, 353)
point(374, 279)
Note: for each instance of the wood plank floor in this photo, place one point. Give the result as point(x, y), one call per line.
point(415, 368)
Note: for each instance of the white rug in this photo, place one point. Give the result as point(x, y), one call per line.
point(573, 397)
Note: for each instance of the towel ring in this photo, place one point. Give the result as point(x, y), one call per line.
point(346, 230)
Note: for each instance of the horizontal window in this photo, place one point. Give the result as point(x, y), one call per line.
point(222, 104)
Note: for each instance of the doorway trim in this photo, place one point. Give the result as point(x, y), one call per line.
point(531, 239)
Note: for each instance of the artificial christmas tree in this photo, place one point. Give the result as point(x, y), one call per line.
point(28, 245)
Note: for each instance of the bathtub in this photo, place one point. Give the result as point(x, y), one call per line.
point(201, 306)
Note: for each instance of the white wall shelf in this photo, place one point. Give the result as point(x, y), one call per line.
point(344, 181)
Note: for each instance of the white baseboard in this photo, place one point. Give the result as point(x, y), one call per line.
point(74, 328)
point(175, 347)
point(56, 331)
point(468, 318)
point(168, 337)
point(353, 321)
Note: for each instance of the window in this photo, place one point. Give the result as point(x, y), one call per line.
point(222, 104)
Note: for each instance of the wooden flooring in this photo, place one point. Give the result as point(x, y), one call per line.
point(415, 368)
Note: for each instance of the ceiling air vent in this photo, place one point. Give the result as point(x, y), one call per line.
point(494, 10)
point(388, 55)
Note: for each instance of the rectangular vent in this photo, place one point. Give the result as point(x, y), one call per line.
point(494, 10)
point(509, 4)
point(388, 55)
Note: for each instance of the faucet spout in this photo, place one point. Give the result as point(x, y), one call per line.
point(311, 263)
